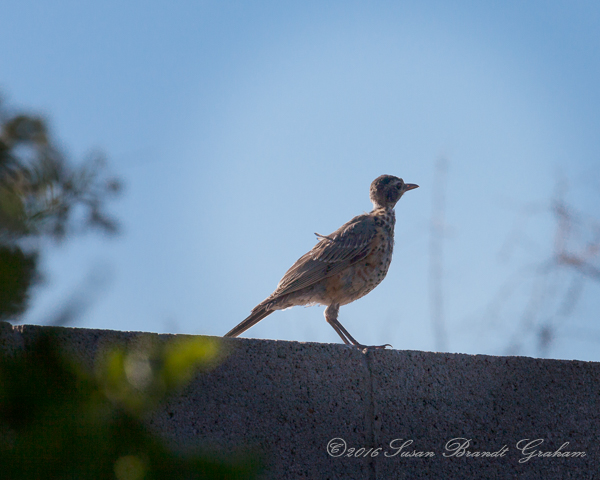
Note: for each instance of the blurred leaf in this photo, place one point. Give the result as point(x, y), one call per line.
point(40, 190)
point(138, 378)
point(184, 356)
point(130, 467)
point(17, 274)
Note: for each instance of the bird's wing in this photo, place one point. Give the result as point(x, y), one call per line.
point(347, 245)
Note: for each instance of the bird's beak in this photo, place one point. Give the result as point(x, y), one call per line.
point(410, 186)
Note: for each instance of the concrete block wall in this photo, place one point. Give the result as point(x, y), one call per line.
point(326, 411)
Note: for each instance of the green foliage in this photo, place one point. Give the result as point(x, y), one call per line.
point(17, 273)
point(40, 191)
point(58, 420)
point(138, 378)
point(42, 195)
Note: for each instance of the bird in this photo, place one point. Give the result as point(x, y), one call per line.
point(343, 266)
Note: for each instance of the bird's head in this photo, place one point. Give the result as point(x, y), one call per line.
point(386, 190)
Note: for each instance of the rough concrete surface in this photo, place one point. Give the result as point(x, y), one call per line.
point(290, 400)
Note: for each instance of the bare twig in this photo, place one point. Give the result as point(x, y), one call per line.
point(436, 255)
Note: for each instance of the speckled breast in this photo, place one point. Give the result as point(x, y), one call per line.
point(365, 275)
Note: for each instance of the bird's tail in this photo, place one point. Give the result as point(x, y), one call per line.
point(256, 316)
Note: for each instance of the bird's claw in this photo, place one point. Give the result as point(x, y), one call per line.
point(366, 348)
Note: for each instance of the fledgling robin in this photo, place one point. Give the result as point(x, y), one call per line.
point(343, 266)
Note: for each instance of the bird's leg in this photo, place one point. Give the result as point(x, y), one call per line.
point(331, 314)
point(360, 346)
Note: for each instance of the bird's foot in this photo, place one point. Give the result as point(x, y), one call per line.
point(366, 348)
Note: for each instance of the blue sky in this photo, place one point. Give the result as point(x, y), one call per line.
point(240, 128)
